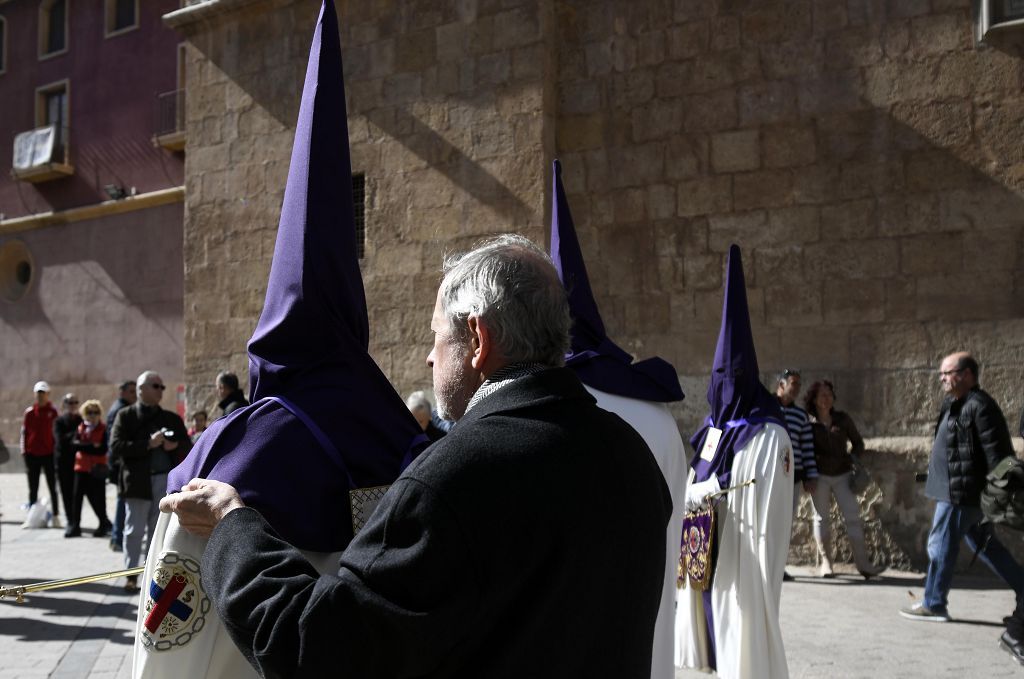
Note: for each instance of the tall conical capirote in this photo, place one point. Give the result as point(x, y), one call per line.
point(337, 422)
point(596, 359)
point(739, 403)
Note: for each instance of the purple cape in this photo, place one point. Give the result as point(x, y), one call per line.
point(309, 348)
point(596, 360)
point(740, 405)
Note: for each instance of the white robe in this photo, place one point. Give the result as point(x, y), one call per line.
point(753, 542)
point(208, 651)
point(658, 428)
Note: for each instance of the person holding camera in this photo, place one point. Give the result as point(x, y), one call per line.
point(148, 441)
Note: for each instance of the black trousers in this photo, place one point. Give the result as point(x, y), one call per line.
point(88, 486)
point(65, 465)
point(33, 464)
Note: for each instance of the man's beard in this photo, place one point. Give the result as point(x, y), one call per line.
point(453, 390)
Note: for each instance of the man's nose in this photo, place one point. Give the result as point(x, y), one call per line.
point(430, 359)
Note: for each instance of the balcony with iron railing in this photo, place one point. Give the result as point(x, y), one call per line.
point(170, 120)
point(42, 154)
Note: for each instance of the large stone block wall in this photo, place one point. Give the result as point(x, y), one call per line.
point(859, 152)
point(447, 120)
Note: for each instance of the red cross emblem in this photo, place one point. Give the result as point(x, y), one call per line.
point(175, 606)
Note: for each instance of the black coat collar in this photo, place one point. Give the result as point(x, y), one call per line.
point(548, 386)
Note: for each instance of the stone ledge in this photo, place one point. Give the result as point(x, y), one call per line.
point(204, 11)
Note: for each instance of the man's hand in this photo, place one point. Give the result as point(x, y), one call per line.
point(697, 493)
point(811, 485)
point(156, 439)
point(170, 445)
point(201, 505)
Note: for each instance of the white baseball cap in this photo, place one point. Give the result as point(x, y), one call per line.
point(41, 385)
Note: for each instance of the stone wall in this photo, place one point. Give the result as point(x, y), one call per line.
point(859, 152)
point(863, 153)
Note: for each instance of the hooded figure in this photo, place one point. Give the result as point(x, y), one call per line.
point(323, 421)
point(733, 627)
point(636, 392)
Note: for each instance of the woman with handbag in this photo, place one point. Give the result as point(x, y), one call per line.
point(837, 446)
point(90, 470)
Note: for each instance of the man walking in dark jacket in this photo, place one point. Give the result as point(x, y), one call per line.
point(148, 441)
point(971, 437)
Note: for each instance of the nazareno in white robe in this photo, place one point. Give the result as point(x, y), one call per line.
point(753, 542)
point(209, 652)
point(658, 428)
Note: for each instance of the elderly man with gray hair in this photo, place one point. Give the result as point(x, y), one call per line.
point(527, 542)
point(420, 408)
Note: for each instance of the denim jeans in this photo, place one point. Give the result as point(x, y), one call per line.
point(950, 524)
point(117, 530)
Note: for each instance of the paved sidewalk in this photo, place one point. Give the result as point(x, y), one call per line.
point(833, 629)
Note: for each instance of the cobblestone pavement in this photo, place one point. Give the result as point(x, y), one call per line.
point(833, 629)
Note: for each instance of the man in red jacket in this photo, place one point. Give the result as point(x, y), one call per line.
point(37, 446)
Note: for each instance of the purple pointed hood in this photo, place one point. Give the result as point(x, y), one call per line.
point(324, 418)
point(596, 360)
point(740, 405)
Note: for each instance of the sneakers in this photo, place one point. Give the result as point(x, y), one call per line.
point(921, 612)
point(1012, 646)
point(131, 584)
point(55, 522)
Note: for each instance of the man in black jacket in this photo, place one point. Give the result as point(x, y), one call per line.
point(148, 442)
point(971, 437)
point(529, 541)
point(231, 396)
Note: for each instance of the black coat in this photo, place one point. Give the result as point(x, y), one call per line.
point(233, 402)
point(129, 445)
point(528, 542)
point(978, 440)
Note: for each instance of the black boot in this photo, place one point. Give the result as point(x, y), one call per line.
point(1013, 646)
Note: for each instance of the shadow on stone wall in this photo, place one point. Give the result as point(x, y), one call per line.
point(896, 514)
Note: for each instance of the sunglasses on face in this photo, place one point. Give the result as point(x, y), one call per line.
point(71, 403)
point(92, 412)
point(161, 387)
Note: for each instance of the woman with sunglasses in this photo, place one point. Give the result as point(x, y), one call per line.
point(90, 470)
point(836, 442)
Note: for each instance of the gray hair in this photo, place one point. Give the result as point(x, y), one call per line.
point(145, 376)
point(512, 285)
point(417, 401)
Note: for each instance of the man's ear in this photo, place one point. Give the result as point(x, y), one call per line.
point(479, 341)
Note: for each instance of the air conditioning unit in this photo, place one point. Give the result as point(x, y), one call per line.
point(40, 155)
point(996, 16)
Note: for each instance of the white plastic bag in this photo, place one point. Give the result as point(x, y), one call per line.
point(38, 514)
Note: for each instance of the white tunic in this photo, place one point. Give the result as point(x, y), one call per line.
point(194, 653)
point(659, 431)
point(753, 539)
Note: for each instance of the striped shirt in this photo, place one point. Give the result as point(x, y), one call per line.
point(799, 427)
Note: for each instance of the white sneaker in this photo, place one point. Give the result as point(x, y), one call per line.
point(55, 522)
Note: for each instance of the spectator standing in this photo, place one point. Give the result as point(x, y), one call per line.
point(231, 396)
point(64, 429)
point(37, 446)
point(787, 389)
point(419, 406)
point(1012, 639)
point(149, 441)
point(971, 437)
point(90, 444)
point(198, 425)
point(836, 442)
point(126, 396)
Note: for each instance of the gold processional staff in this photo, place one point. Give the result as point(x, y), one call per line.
point(19, 591)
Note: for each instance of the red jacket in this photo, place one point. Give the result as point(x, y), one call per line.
point(88, 455)
point(37, 430)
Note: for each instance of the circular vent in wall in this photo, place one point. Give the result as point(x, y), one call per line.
point(16, 270)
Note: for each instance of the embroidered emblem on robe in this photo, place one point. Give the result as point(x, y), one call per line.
point(695, 555)
point(176, 605)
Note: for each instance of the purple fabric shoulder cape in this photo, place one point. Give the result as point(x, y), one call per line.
point(593, 356)
point(740, 405)
point(310, 347)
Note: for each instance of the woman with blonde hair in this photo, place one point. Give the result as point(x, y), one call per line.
point(91, 469)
